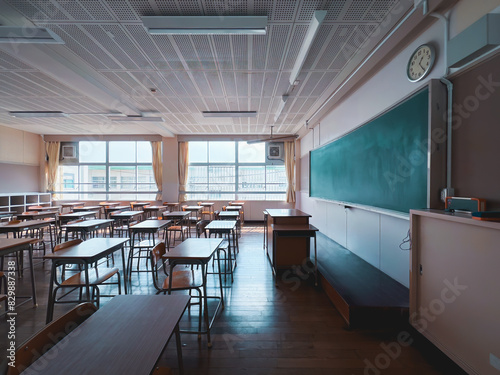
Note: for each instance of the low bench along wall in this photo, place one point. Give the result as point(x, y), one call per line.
point(364, 295)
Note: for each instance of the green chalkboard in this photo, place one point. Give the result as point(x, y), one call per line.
point(382, 163)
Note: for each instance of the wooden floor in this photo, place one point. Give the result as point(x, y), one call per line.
point(291, 328)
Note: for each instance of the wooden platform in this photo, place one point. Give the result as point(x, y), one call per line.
point(364, 295)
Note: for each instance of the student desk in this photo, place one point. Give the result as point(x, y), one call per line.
point(125, 336)
point(87, 208)
point(285, 251)
point(44, 208)
point(17, 229)
point(87, 226)
point(64, 218)
point(7, 213)
point(85, 253)
point(108, 210)
point(35, 215)
point(12, 245)
point(226, 227)
point(71, 205)
point(198, 251)
point(149, 210)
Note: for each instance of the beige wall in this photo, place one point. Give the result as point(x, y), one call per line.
point(20, 155)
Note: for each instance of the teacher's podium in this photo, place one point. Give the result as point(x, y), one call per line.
point(285, 249)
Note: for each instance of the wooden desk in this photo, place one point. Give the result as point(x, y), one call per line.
point(198, 251)
point(12, 245)
point(34, 215)
point(7, 213)
point(86, 208)
point(44, 208)
point(126, 216)
point(149, 210)
point(125, 336)
point(64, 218)
point(138, 205)
point(227, 227)
point(70, 205)
point(87, 226)
point(284, 252)
point(295, 231)
point(108, 210)
point(17, 229)
point(85, 253)
point(149, 227)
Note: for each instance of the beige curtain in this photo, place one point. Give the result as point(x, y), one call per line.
point(183, 169)
point(52, 164)
point(290, 171)
point(157, 167)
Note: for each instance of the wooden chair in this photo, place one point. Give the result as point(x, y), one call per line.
point(50, 335)
point(206, 214)
point(97, 276)
point(186, 279)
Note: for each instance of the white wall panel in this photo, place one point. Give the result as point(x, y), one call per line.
point(363, 228)
point(337, 223)
point(394, 261)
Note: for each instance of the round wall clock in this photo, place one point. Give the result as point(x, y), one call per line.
point(421, 62)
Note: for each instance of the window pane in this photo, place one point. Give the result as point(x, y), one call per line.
point(221, 152)
point(198, 152)
point(221, 175)
point(92, 152)
point(255, 153)
point(251, 178)
point(93, 196)
point(93, 178)
point(145, 174)
point(144, 152)
point(276, 174)
point(275, 197)
point(122, 152)
point(123, 178)
point(68, 178)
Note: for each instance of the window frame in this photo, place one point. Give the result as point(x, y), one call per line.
point(236, 192)
point(108, 193)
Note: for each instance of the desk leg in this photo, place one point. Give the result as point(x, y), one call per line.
point(125, 278)
point(87, 284)
point(32, 273)
point(179, 349)
point(220, 282)
point(50, 302)
point(205, 303)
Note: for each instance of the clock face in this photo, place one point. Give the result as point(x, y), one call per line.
point(420, 63)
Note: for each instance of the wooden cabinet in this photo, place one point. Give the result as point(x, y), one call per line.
point(283, 252)
point(454, 287)
point(19, 202)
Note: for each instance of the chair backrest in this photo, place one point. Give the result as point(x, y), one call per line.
point(50, 335)
point(29, 212)
point(157, 254)
point(200, 227)
point(15, 221)
point(216, 214)
point(66, 244)
point(34, 207)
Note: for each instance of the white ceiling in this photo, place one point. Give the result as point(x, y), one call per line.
point(109, 63)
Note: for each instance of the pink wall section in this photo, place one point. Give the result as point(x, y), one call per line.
point(19, 178)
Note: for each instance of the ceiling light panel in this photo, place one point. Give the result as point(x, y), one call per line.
point(23, 34)
point(205, 25)
point(229, 113)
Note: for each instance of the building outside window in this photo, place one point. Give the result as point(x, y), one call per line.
point(234, 170)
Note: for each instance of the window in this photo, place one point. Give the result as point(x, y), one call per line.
point(234, 170)
point(109, 170)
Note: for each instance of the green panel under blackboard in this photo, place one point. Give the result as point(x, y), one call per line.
point(383, 163)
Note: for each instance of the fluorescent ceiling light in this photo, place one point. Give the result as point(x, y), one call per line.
point(37, 114)
point(135, 118)
point(316, 22)
point(229, 114)
point(18, 34)
point(205, 25)
point(280, 107)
